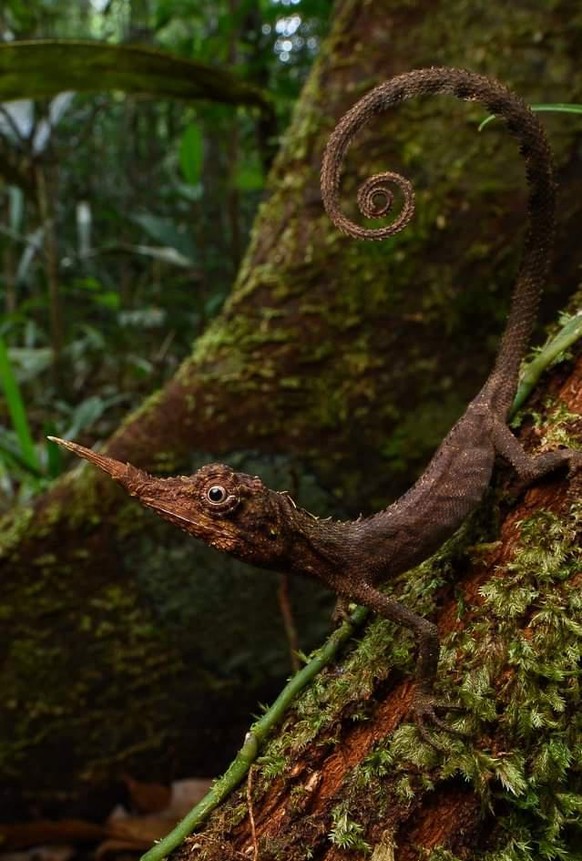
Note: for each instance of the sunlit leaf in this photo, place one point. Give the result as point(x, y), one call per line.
point(17, 118)
point(43, 131)
point(15, 208)
point(84, 219)
point(33, 246)
point(29, 362)
point(164, 254)
point(166, 233)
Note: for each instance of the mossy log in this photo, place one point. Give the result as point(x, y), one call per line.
point(341, 361)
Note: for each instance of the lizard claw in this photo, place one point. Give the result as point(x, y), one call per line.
point(424, 711)
point(341, 611)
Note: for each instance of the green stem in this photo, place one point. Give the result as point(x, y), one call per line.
point(255, 737)
point(568, 335)
point(556, 107)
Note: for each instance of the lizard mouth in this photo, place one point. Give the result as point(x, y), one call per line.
point(134, 480)
point(112, 467)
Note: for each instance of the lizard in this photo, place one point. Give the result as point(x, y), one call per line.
point(237, 514)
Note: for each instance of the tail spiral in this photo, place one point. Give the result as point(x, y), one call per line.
point(375, 196)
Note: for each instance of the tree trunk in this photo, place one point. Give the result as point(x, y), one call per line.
point(338, 361)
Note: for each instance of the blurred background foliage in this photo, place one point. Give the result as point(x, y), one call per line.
point(125, 215)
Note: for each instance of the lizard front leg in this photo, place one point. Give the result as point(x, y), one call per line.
point(424, 705)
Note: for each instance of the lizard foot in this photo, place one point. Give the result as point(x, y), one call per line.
point(424, 714)
point(341, 611)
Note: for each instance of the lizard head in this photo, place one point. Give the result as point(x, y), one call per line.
point(228, 510)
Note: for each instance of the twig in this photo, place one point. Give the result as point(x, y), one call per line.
point(288, 621)
point(251, 814)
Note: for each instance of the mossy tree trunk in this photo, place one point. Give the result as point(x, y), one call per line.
point(338, 360)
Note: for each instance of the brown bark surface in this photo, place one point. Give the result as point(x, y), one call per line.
point(340, 360)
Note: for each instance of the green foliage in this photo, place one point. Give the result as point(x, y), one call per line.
point(44, 68)
point(555, 107)
point(556, 347)
point(346, 832)
point(168, 234)
point(122, 241)
point(191, 151)
point(17, 410)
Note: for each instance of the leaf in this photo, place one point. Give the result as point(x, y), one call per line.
point(16, 409)
point(59, 106)
point(54, 453)
point(45, 67)
point(33, 245)
point(192, 193)
point(164, 254)
point(16, 208)
point(21, 835)
point(191, 154)
point(29, 362)
point(88, 412)
point(249, 177)
point(147, 797)
point(44, 129)
point(510, 772)
point(109, 299)
point(10, 455)
point(17, 119)
point(166, 233)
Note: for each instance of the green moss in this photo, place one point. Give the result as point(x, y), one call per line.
point(346, 833)
point(14, 526)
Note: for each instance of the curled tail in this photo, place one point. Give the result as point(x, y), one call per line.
point(376, 198)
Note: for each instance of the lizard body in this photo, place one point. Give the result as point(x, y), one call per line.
point(238, 514)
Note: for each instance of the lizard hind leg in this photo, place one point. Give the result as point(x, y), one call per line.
point(424, 706)
point(531, 467)
point(341, 611)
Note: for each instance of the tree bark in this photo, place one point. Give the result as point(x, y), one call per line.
point(339, 361)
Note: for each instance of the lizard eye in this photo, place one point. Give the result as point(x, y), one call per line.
point(216, 494)
point(219, 499)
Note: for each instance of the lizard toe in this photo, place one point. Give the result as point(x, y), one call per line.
point(424, 713)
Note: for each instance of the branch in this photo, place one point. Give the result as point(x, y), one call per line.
point(30, 70)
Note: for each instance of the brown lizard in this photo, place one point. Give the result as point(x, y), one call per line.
point(237, 514)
